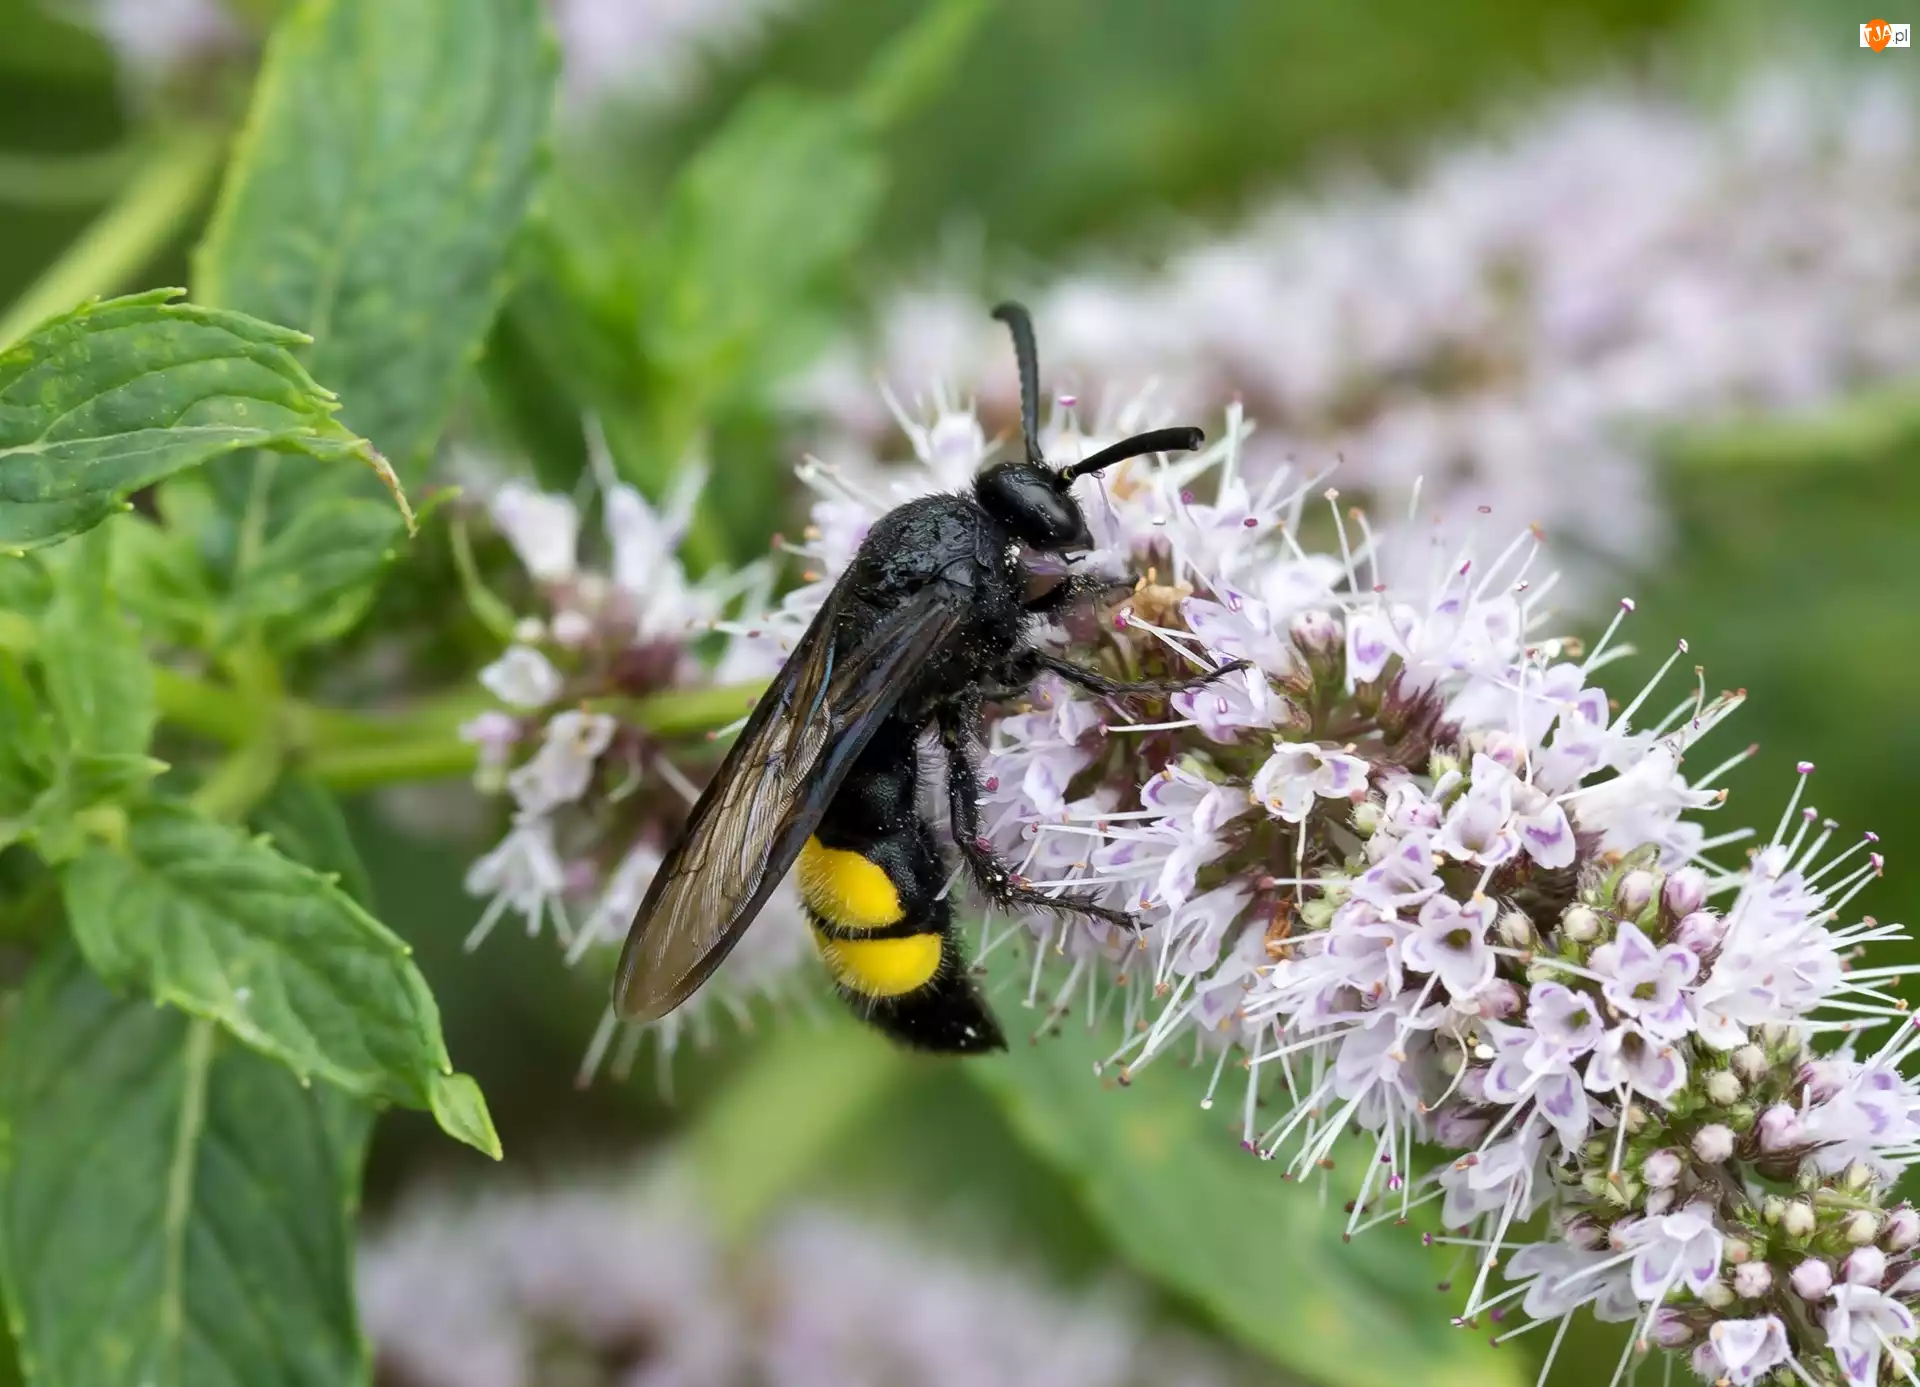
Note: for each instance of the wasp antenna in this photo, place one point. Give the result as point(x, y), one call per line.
point(1152, 441)
point(1027, 354)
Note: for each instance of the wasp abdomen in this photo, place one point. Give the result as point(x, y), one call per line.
point(884, 930)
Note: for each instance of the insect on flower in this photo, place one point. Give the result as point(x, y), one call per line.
point(927, 625)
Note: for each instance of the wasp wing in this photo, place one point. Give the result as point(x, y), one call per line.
point(770, 792)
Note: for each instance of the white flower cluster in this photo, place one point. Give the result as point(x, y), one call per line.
point(1422, 879)
point(595, 798)
point(1511, 325)
point(605, 1285)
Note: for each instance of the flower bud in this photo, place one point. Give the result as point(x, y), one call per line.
point(1636, 892)
point(1700, 933)
point(1718, 1295)
point(1865, 1266)
point(1318, 637)
point(1636, 1119)
point(1713, 1143)
point(1315, 914)
point(1662, 1169)
point(1823, 1079)
point(1498, 1000)
point(1670, 1327)
point(1723, 1087)
point(1515, 930)
point(1773, 1208)
point(1799, 1220)
point(1812, 1279)
point(571, 628)
point(1902, 1230)
point(1862, 1227)
point(1580, 924)
point(1738, 1251)
point(1366, 818)
point(1583, 1231)
point(1685, 892)
point(1857, 1178)
point(529, 630)
point(1458, 1129)
point(1752, 1280)
point(1779, 1128)
point(1750, 1063)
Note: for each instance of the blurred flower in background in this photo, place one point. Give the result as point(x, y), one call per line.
point(1515, 324)
point(603, 1284)
point(648, 50)
point(155, 38)
point(628, 51)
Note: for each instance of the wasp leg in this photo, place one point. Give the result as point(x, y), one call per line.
point(1024, 667)
point(998, 880)
point(1074, 587)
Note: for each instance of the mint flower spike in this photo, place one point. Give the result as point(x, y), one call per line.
point(1422, 881)
point(595, 797)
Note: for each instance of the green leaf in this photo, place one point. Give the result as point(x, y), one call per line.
point(461, 1111)
point(303, 819)
point(115, 396)
point(1188, 1207)
point(97, 676)
point(161, 580)
point(389, 157)
point(174, 1211)
point(314, 579)
point(26, 742)
point(768, 209)
point(223, 926)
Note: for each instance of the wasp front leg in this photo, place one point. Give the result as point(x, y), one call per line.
point(1028, 665)
point(1001, 884)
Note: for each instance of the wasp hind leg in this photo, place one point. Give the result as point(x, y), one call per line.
point(999, 881)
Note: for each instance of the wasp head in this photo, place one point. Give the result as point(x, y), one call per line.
point(1034, 501)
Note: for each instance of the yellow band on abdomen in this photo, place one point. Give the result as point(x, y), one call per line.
point(846, 889)
point(881, 967)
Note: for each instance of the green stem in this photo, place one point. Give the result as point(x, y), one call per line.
point(240, 781)
point(350, 768)
point(141, 222)
point(64, 180)
point(1859, 428)
point(360, 751)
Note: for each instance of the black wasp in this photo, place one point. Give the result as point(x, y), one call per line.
point(927, 624)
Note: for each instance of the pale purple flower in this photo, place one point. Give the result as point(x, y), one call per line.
point(1860, 1322)
point(1680, 1249)
point(1298, 773)
point(522, 875)
point(1629, 1057)
point(1565, 1022)
point(558, 773)
point(522, 678)
point(1450, 942)
point(543, 528)
point(1746, 1350)
point(1647, 982)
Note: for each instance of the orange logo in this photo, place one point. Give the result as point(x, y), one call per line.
point(1881, 34)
